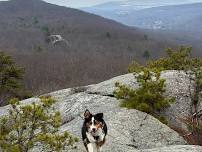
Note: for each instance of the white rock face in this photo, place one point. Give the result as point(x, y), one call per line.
point(108, 87)
point(129, 130)
point(178, 85)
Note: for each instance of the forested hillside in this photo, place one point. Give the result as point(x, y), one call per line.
point(93, 48)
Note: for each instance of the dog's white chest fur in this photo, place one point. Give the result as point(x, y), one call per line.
point(90, 138)
point(92, 145)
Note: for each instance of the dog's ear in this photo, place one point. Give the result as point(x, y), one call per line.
point(99, 115)
point(87, 114)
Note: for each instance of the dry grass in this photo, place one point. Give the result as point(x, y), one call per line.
point(194, 135)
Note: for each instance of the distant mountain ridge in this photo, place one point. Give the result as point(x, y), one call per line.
point(31, 16)
point(138, 5)
point(177, 22)
point(149, 16)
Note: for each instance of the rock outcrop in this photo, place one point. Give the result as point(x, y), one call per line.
point(107, 87)
point(178, 85)
point(129, 130)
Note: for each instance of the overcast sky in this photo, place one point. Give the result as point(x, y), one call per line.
point(78, 3)
point(83, 3)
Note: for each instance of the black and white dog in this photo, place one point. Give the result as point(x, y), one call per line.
point(94, 131)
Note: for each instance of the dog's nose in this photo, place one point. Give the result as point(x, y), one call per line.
point(93, 129)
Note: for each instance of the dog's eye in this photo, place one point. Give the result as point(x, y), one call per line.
point(89, 123)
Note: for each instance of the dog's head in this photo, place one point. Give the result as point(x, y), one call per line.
point(93, 123)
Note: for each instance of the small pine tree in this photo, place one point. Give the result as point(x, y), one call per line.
point(108, 35)
point(46, 30)
point(145, 37)
point(148, 97)
point(146, 55)
point(135, 67)
point(31, 124)
point(35, 20)
point(39, 48)
point(10, 79)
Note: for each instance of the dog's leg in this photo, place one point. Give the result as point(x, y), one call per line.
point(99, 149)
point(92, 147)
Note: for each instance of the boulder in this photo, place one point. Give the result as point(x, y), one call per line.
point(178, 85)
point(128, 129)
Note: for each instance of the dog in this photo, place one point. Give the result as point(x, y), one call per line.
point(94, 131)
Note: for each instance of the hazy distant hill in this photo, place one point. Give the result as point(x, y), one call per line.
point(184, 21)
point(180, 23)
point(186, 18)
point(97, 48)
point(179, 17)
point(116, 7)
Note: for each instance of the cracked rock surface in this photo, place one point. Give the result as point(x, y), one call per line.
point(129, 130)
point(177, 83)
point(108, 87)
